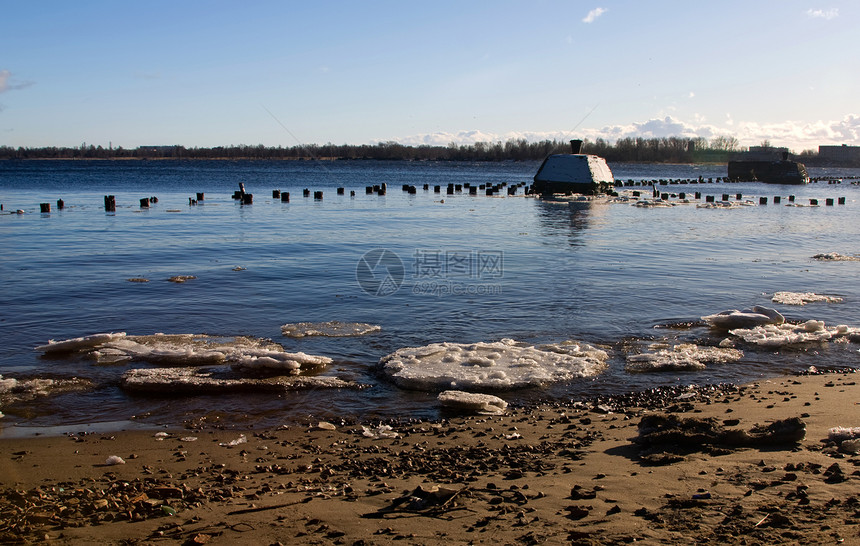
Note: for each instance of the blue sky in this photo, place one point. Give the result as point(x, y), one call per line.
point(210, 73)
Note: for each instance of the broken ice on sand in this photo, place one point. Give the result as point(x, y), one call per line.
point(505, 364)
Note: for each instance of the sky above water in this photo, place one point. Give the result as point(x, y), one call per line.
point(283, 73)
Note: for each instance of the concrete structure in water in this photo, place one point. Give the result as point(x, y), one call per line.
point(573, 173)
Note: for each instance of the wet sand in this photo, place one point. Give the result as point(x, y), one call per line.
point(552, 474)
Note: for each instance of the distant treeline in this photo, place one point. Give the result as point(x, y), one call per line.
point(646, 150)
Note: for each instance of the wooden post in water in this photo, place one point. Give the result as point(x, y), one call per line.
point(110, 203)
point(276, 194)
point(144, 203)
point(44, 207)
point(285, 197)
point(247, 198)
point(199, 197)
point(60, 204)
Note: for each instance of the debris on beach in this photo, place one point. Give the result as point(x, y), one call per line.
point(802, 298)
point(779, 335)
point(505, 364)
point(485, 404)
point(748, 318)
point(683, 357)
point(220, 379)
point(333, 328)
point(667, 433)
point(836, 257)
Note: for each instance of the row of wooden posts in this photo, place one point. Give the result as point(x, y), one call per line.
point(381, 189)
point(725, 197)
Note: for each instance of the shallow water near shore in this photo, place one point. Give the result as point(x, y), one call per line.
point(475, 269)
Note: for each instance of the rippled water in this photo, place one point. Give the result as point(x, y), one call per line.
point(613, 275)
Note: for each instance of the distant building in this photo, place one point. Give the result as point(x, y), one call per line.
point(840, 154)
point(766, 152)
point(164, 151)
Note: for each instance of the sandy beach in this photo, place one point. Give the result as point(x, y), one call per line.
point(756, 464)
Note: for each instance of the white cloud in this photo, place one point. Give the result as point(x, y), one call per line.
point(6, 85)
point(828, 14)
point(796, 135)
point(4, 80)
point(594, 14)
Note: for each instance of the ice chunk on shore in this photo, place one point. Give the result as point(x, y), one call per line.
point(773, 335)
point(79, 344)
point(505, 364)
point(747, 318)
point(485, 404)
point(838, 434)
point(332, 328)
point(379, 433)
point(218, 379)
point(684, 357)
point(802, 298)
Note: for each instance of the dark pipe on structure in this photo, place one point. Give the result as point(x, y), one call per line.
point(576, 146)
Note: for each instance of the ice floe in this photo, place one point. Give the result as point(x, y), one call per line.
point(219, 379)
point(778, 335)
point(683, 357)
point(747, 318)
point(190, 350)
point(653, 203)
point(333, 328)
point(836, 257)
point(14, 390)
point(505, 364)
point(802, 298)
point(79, 344)
point(485, 404)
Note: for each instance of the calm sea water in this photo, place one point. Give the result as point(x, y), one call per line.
point(614, 275)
